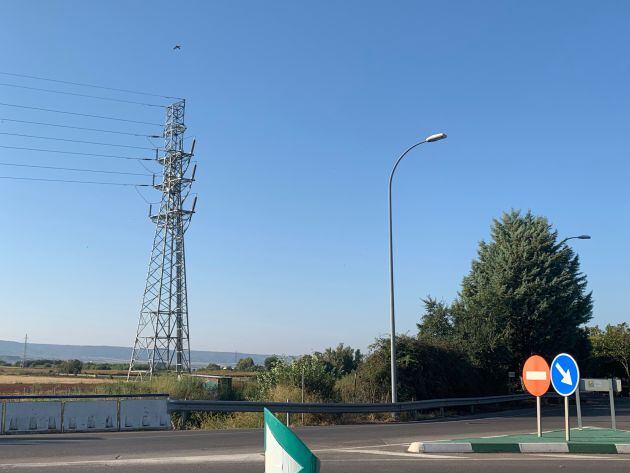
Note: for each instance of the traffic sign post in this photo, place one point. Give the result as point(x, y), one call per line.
point(565, 379)
point(536, 380)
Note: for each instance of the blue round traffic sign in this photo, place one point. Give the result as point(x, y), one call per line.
point(565, 374)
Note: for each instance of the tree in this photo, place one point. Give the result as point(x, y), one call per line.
point(437, 322)
point(424, 371)
point(270, 361)
point(340, 361)
point(524, 294)
point(245, 364)
point(71, 366)
point(213, 367)
point(613, 343)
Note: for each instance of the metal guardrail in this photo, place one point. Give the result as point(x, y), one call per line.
point(340, 408)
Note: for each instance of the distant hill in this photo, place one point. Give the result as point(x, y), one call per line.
point(12, 351)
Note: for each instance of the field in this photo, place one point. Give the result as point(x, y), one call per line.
point(32, 381)
point(24, 381)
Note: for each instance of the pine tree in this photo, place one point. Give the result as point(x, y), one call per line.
point(436, 326)
point(524, 295)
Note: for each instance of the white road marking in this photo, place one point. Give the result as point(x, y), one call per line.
point(406, 444)
point(571, 456)
point(398, 454)
point(123, 462)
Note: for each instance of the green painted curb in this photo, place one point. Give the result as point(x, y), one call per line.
point(592, 448)
point(495, 447)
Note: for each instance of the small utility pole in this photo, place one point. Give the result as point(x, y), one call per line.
point(24, 356)
point(302, 393)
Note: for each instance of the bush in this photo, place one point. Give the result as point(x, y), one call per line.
point(317, 379)
point(71, 367)
point(425, 371)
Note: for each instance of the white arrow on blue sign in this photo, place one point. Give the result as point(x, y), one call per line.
point(565, 374)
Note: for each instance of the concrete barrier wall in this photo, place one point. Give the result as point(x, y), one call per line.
point(90, 416)
point(32, 417)
point(144, 414)
point(29, 416)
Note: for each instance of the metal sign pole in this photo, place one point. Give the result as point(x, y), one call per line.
point(538, 421)
point(612, 405)
point(579, 407)
point(567, 435)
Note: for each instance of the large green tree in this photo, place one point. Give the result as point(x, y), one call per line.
point(524, 295)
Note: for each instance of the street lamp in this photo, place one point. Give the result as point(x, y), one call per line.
point(579, 237)
point(430, 139)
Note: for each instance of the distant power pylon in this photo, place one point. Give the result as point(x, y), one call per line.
point(162, 339)
point(25, 345)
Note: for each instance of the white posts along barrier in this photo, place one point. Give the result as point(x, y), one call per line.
point(28, 416)
point(32, 417)
point(141, 414)
point(86, 416)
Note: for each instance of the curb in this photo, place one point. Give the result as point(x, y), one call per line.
point(550, 447)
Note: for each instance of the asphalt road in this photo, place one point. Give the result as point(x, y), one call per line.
point(349, 448)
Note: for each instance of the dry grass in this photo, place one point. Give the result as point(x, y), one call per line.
point(41, 382)
point(232, 374)
point(30, 379)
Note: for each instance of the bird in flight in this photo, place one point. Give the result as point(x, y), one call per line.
point(177, 46)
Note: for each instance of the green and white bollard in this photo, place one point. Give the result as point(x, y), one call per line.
point(284, 451)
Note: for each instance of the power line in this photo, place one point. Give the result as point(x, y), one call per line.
point(102, 117)
point(72, 181)
point(80, 128)
point(76, 141)
point(82, 84)
point(75, 169)
point(143, 198)
point(76, 153)
point(63, 92)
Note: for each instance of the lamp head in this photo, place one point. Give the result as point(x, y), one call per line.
point(436, 137)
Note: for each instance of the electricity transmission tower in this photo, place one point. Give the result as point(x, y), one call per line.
point(162, 339)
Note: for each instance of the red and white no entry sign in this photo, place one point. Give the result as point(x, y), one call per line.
point(536, 375)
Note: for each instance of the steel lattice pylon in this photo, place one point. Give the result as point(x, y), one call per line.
point(162, 339)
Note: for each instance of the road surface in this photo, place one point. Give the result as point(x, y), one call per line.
point(346, 448)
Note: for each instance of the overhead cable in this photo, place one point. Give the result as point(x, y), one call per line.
point(82, 84)
point(76, 141)
point(63, 92)
point(72, 181)
point(76, 153)
point(80, 128)
point(74, 169)
point(102, 117)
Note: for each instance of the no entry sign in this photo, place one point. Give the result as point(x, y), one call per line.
point(536, 375)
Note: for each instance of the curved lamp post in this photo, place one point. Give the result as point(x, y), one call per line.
point(579, 237)
point(430, 139)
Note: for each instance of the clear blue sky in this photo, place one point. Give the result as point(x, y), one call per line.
point(300, 109)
